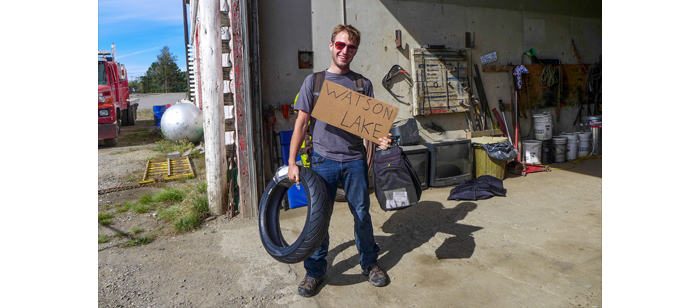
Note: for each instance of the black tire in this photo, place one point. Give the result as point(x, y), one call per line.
point(317, 218)
point(125, 117)
point(111, 142)
point(130, 118)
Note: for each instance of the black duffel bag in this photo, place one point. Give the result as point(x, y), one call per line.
point(396, 184)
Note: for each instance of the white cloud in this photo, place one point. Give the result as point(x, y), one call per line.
point(137, 52)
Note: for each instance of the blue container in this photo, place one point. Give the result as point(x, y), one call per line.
point(158, 113)
point(285, 139)
point(297, 196)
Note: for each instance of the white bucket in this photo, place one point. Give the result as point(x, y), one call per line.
point(584, 144)
point(571, 146)
point(532, 150)
point(543, 126)
point(560, 149)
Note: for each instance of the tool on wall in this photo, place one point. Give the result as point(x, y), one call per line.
point(397, 38)
point(285, 111)
point(578, 57)
point(396, 70)
point(593, 87)
point(502, 121)
point(488, 122)
point(268, 136)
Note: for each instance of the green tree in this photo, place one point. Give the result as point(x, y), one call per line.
point(147, 82)
point(166, 70)
point(164, 75)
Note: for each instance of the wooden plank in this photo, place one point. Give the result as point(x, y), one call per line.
point(228, 99)
point(145, 172)
point(539, 95)
point(573, 89)
point(226, 73)
point(230, 125)
point(495, 68)
point(247, 190)
point(225, 22)
point(483, 133)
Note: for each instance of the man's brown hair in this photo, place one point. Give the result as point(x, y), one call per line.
point(353, 34)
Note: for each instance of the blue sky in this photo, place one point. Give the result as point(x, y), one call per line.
point(139, 29)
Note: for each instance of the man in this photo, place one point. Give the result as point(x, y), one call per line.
point(338, 157)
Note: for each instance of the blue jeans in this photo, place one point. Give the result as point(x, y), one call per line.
point(353, 175)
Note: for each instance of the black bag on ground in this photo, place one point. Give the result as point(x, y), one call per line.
point(396, 184)
point(483, 187)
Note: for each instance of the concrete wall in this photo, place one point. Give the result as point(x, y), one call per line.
point(508, 27)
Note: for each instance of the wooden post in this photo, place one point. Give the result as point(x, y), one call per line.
point(242, 111)
point(213, 104)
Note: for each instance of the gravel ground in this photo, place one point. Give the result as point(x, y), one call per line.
point(175, 270)
point(118, 165)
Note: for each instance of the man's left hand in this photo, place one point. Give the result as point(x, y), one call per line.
point(384, 142)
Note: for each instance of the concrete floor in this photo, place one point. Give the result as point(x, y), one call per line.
point(540, 246)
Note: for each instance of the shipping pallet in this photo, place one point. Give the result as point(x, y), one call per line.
point(171, 169)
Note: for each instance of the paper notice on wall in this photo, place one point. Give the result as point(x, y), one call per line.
point(489, 58)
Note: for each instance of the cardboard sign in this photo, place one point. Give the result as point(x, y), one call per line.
point(353, 112)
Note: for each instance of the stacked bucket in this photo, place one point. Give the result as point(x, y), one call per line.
point(546, 149)
point(586, 142)
point(543, 149)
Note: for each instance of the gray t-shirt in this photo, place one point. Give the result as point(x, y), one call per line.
point(331, 142)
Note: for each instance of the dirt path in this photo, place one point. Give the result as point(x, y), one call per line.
point(175, 270)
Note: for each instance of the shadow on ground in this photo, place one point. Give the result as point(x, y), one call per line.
point(410, 228)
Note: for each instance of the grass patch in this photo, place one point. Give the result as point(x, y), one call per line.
point(104, 218)
point(201, 187)
point(142, 136)
point(101, 239)
point(170, 213)
point(124, 207)
point(188, 223)
point(169, 194)
point(138, 241)
point(147, 198)
point(141, 208)
point(182, 209)
point(194, 218)
point(166, 146)
point(144, 115)
point(200, 205)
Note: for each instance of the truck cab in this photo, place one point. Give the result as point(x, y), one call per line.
point(115, 109)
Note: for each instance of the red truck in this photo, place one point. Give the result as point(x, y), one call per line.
point(114, 106)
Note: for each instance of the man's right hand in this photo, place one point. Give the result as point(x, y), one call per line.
point(293, 173)
point(300, 128)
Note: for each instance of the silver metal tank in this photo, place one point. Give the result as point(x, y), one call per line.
point(182, 121)
point(594, 125)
